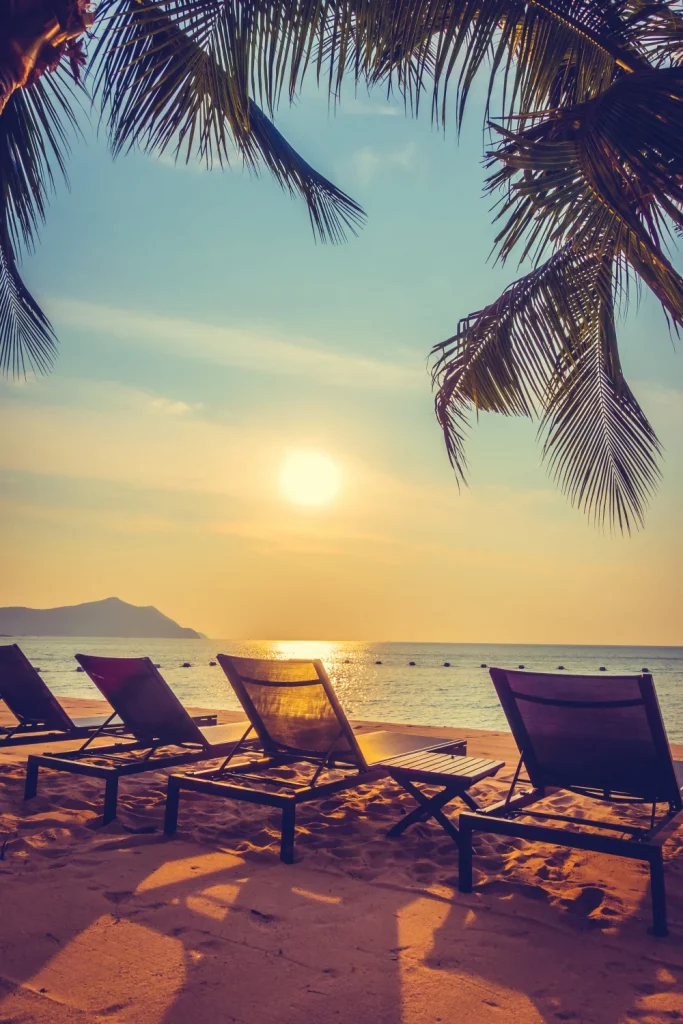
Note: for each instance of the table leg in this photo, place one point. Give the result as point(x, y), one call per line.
point(428, 807)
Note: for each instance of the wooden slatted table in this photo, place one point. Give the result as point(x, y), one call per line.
point(453, 775)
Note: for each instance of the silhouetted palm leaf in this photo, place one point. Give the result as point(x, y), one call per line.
point(599, 444)
point(547, 346)
point(180, 85)
point(607, 173)
point(33, 145)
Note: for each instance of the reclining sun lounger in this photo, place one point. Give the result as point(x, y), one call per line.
point(160, 731)
point(297, 717)
point(599, 736)
point(39, 715)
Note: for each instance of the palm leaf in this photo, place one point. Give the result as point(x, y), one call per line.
point(27, 341)
point(34, 130)
point(547, 347)
point(607, 175)
point(599, 445)
point(179, 86)
point(502, 357)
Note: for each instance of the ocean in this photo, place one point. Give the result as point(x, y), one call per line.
point(426, 693)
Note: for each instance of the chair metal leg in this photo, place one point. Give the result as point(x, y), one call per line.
point(31, 786)
point(288, 826)
point(465, 855)
point(172, 802)
point(658, 893)
point(111, 787)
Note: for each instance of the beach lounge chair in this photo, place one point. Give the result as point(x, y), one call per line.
point(298, 719)
point(162, 733)
point(601, 737)
point(39, 715)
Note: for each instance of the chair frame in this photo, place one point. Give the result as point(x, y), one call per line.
point(228, 780)
point(636, 842)
point(32, 729)
point(134, 757)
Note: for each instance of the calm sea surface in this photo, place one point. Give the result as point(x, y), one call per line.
point(427, 693)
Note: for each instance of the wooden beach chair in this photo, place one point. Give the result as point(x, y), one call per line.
point(162, 733)
point(601, 737)
point(298, 719)
point(40, 718)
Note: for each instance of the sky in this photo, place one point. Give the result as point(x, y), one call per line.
point(205, 339)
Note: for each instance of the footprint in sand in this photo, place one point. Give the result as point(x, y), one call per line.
point(531, 892)
point(118, 897)
point(586, 902)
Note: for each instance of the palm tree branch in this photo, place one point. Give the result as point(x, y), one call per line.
point(164, 90)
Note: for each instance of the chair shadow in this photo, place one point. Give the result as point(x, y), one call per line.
point(211, 937)
point(566, 960)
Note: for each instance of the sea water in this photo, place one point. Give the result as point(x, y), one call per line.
point(374, 680)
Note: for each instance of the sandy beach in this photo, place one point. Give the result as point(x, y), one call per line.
point(122, 924)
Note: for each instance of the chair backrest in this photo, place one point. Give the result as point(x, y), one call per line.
point(142, 698)
point(293, 707)
point(600, 734)
point(26, 695)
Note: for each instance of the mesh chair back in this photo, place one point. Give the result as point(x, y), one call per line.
point(142, 698)
point(600, 734)
point(26, 695)
point(293, 707)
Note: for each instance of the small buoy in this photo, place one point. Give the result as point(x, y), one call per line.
point(186, 664)
point(520, 666)
point(378, 663)
point(38, 670)
point(157, 664)
point(642, 670)
point(561, 668)
point(80, 669)
point(411, 662)
point(483, 665)
point(346, 661)
point(602, 668)
point(446, 664)
point(212, 663)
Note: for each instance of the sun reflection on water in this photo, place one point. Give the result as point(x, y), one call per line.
point(326, 650)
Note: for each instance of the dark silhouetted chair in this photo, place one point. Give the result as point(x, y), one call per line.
point(39, 715)
point(601, 737)
point(162, 732)
point(298, 719)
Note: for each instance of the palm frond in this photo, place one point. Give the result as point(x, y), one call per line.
point(548, 347)
point(599, 445)
point(179, 86)
point(27, 341)
point(607, 175)
point(34, 129)
point(34, 146)
point(502, 357)
point(540, 51)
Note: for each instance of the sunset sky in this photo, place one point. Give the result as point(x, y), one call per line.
point(205, 339)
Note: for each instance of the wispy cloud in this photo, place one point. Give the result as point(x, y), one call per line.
point(253, 348)
point(369, 160)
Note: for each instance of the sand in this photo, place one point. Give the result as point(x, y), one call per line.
point(119, 923)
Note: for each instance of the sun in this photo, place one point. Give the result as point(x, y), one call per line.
point(309, 478)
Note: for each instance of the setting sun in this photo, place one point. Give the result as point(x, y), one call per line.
point(309, 478)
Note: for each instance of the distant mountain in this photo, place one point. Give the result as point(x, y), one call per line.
point(111, 617)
